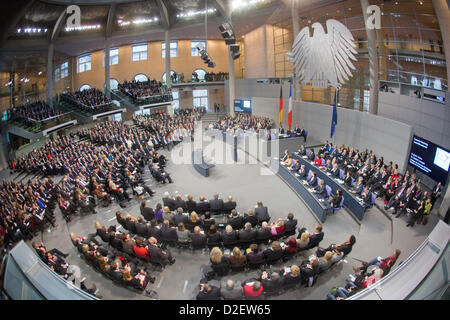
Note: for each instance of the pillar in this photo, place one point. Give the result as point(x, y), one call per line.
point(296, 95)
point(50, 74)
point(167, 40)
point(107, 68)
point(443, 14)
point(373, 62)
point(231, 90)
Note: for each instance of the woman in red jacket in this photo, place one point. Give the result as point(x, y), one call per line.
point(253, 290)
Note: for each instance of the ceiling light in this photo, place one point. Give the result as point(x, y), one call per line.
point(194, 13)
point(82, 28)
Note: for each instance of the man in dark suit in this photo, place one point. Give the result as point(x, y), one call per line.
point(435, 194)
point(180, 217)
point(157, 254)
point(359, 185)
point(302, 150)
point(141, 228)
point(311, 155)
point(251, 218)
point(314, 238)
point(303, 172)
point(295, 166)
point(203, 205)
point(168, 201)
point(261, 213)
point(263, 233)
point(235, 220)
point(229, 205)
point(216, 205)
point(405, 203)
point(290, 223)
point(320, 189)
point(247, 234)
point(154, 230)
point(130, 224)
point(147, 212)
point(168, 234)
point(180, 203)
point(230, 236)
point(198, 239)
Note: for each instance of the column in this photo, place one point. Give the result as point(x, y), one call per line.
point(107, 68)
point(373, 63)
point(167, 41)
point(50, 74)
point(231, 91)
point(296, 95)
point(443, 14)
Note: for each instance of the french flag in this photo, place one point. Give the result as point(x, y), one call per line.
point(290, 108)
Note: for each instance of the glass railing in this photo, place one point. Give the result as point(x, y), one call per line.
point(423, 275)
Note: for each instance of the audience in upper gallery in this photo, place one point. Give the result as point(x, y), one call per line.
point(242, 121)
point(89, 99)
point(212, 76)
point(38, 111)
point(143, 89)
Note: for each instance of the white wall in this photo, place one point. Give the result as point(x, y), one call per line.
point(429, 120)
point(386, 137)
point(249, 88)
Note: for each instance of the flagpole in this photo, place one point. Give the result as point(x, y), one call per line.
point(337, 98)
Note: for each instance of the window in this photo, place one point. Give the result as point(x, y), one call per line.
point(200, 98)
point(113, 84)
point(139, 52)
point(200, 74)
point(113, 56)
point(194, 45)
point(173, 49)
point(366, 100)
point(176, 100)
point(65, 70)
point(356, 100)
point(163, 79)
point(57, 74)
point(84, 63)
point(140, 77)
point(85, 87)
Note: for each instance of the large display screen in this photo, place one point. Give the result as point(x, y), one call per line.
point(430, 159)
point(244, 106)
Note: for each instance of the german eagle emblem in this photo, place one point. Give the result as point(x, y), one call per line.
point(325, 58)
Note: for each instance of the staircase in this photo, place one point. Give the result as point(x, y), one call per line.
point(124, 100)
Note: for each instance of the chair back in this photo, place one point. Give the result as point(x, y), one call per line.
point(309, 175)
point(353, 181)
point(374, 197)
point(323, 162)
point(328, 189)
point(341, 174)
point(342, 202)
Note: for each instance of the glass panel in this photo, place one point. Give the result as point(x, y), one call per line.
point(17, 285)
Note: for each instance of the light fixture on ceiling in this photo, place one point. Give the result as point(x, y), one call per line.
point(195, 13)
point(242, 4)
point(83, 28)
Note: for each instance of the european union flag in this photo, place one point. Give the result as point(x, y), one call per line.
point(334, 118)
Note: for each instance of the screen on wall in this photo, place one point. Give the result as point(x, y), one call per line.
point(430, 159)
point(242, 106)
